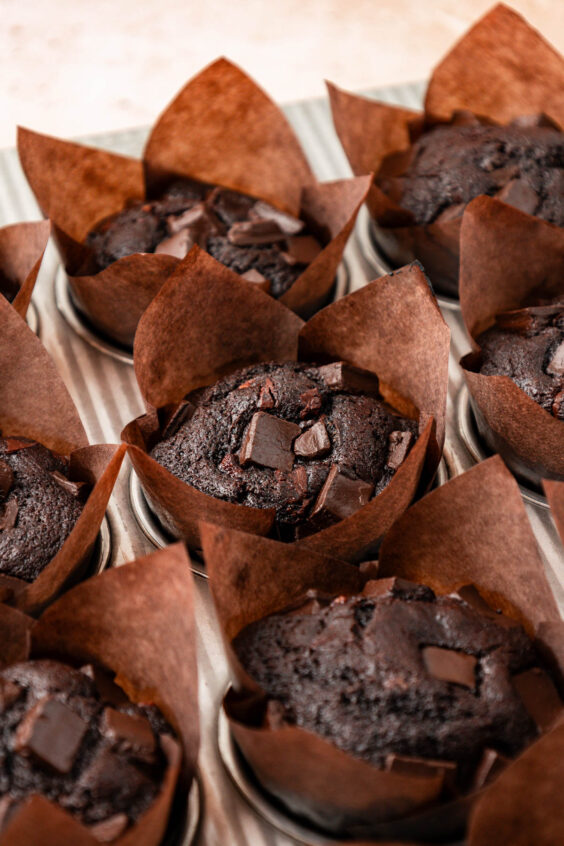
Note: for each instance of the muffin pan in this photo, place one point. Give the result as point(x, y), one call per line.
point(106, 393)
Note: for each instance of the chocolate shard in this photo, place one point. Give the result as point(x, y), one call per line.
point(527, 121)
point(369, 569)
point(107, 772)
point(555, 367)
point(52, 733)
point(107, 689)
point(16, 444)
point(302, 249)
point(286, 223)
point(107, 830)
point(418, 767)
point(252, 233)
point(268, 442)
point(129, 733)
point(314, 442)
point(340, 376)
point(450, 665)
point(520, 195)
point(274, 715)
point(256, 278)
point(180, 415)
point(77, 489)
point(9, 693)
point(539, 696)
point(176, 222)
point(490, 766)
point(451, 213)
point(9, 515)
point(398, 447)
point(311, 401)
point(6, 479)
point(267, 397)
point(340, 497)
point(178, 245)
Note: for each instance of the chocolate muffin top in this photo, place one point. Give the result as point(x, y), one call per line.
point(249, 236)
point(39, 506)
point(74, 737)
point(519, 164)
point(314, 443)
point(400, 673)
point(528, 346)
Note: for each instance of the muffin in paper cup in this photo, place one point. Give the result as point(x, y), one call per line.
point(191, 335)
point(35, 406)
point(22, 246)
point(510, 261)
point(471, 531)
point(502, 69)
point(104, 623)
point(221, 129)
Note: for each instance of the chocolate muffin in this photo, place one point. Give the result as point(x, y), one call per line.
point(313, 443)
point(39, 506)
point(520, 164)
point(528, 346)
point(403, 679)
point(249, 236)
point(74, 737)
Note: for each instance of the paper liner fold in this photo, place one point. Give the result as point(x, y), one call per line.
point(474, 529)
point(221, 129)
point(555, 494)
point(21, 251)
point(392, 327)
point(500, 69)
point(509, 260)
point(106, 620)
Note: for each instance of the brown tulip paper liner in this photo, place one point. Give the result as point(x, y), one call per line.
point(510, 260)
point(473, 530)
point(22, 246)
point(222, 129)
point(35, 404)
point(480, 74)
point(191, 336)
point(106, 621)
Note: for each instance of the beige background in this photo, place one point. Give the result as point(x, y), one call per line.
point(73, 67)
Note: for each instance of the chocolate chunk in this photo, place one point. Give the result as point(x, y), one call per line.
point(249, 233)
point(369, 569)
point(129, 733)
point(176, 223)
point(340, 376)
point(312, 402)
point(106, 775)
point(15, 444)
point(178, 245)
point(267, 397)
point(539, 697)
point(256, 278)
point(180, 415)
point(451, 213)
point(9, 515)
point(418, 767)
point(340, 496)
point(268, 442)
point(398, 447)
point(107, 830)
point(555, 367)
point(77, 489)
point(52, 733)
point(9, 693)
point(314, 442)
point(286, 223)
point(6, 479)
point(490, 766)
point(450, 665)
point(520, 195)
point(107, 689)
point(302, 249)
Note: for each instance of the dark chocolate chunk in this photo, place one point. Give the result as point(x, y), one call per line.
point(107, 689)
point(267, 396)
point(9, 515)
point(75, 488)
point(129, 733)
point(15, 444)
point(302, 249)
point(52, 733)
point(107, 774)
point(314, 442)
point(6, 479)
point(285, 222)
point(520, 195)
point(398, 446)
point(340, 376)
point(312, 402)
point(450, 665)
point(418, 767)
point(539, 697)
point(369, 569)
point(107, 830)
point(340, 496)
point(490, 766)
point(268, 442)
point(180, 415)
point(178, 245)
point(176, 223)
point(248, 233)
point(556, 364)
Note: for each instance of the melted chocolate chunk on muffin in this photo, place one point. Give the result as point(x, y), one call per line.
point(520, 164)
point(39, 506)
point(249, 236)
point(399, 674)
point(314, 443)
point(74, 737)
point(528, 346)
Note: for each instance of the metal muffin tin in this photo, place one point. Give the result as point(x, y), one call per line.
point(104, 389)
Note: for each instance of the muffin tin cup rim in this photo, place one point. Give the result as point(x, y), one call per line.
point(373, 256)
point(468, 433)
point(81, 326)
